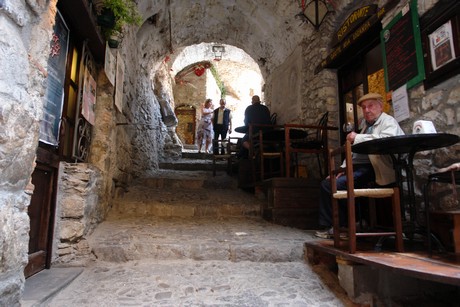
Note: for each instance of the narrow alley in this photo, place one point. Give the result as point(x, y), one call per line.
point(102, 101)
point(187, 238)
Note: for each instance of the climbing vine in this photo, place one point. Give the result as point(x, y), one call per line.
point(219, 82)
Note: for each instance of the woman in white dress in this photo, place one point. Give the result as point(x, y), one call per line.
point(205, 131)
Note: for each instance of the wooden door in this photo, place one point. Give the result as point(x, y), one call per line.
point(41, 214)
point(186, 116)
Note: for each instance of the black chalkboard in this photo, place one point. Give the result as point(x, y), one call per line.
point(402, 50)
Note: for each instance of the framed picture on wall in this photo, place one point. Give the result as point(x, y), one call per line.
point(442, 45)
point(440, 29)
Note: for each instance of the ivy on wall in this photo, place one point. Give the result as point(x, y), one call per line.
point(219, 82)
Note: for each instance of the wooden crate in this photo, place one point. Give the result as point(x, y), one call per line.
point(292, 202)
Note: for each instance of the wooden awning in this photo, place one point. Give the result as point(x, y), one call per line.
point(77, 14)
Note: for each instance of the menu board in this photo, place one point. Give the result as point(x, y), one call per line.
point(402, 49)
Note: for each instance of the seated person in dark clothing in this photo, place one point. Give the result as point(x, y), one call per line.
point(256, 113)
point(366, 168)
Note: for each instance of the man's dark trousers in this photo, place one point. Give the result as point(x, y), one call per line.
point(219, 130)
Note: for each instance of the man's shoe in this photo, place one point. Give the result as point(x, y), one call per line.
point(325, 234)
point(329, 234)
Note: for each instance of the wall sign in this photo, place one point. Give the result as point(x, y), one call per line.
point(352, 22)
point(402, 50)
point(363, 23)
point(119, 83)
point(110, 64)
point(442, 46)
point(54, 96)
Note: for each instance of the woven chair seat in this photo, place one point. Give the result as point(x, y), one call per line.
point(376, 193)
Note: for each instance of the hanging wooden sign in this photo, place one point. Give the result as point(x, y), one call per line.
point(353, 37)
point(352, 22)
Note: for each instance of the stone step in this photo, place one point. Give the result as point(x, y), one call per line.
point(195, 155)
point(193, 165)
point(186, 194)
point(207, 198)
point(224, 238)
point(165, 178)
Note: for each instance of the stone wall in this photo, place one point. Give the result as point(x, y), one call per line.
point(143, 136)
point(190, 92)
point(78, 213)
point(286, 80)
point(25, 29)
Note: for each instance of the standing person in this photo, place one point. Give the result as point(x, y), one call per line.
point(366, 168)
point(205, 127)
point(222, 123)
point(256, 113)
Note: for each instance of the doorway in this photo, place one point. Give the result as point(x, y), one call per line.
point(41, 214)
point(186, 117)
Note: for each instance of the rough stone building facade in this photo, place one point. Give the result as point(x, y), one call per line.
point(130, 143)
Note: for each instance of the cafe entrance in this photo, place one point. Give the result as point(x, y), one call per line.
point(357, 55)
point(360, 75)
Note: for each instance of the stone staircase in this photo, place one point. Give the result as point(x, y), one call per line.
point(191, 214)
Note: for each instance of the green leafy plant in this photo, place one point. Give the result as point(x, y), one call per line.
point(124, 12)
point(219, 82)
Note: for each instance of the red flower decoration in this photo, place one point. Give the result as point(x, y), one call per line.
point(199, 70)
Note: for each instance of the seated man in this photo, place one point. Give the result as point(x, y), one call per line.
point(256, 113)
point(366, 168)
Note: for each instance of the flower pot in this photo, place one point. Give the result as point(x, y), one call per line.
point(106, 18)
point(113, 42)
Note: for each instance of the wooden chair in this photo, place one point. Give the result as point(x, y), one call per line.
point(447, 175)
point(270, 150)
point(317, 145)
point(350, 194)
point(255, 150)
point(218, 146)
point(233, 149)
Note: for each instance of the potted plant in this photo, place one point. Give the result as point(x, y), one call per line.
point(114, 14)
point(114, 38)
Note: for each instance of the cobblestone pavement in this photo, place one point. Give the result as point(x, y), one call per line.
point(143, 259)
point(276, 274)
point(197, 283)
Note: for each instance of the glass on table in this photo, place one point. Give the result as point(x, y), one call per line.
point(348, 127)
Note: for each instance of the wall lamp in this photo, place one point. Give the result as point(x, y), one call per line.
point(315, 11)
point(218, 50)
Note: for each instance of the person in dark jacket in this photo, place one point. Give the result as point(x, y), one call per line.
point(256, 113)
point(222, 123)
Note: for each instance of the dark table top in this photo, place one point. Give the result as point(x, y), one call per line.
point(410, 143)
point(242, 129)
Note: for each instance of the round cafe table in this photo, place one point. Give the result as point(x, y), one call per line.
point(242, 129)
point(402, 149)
